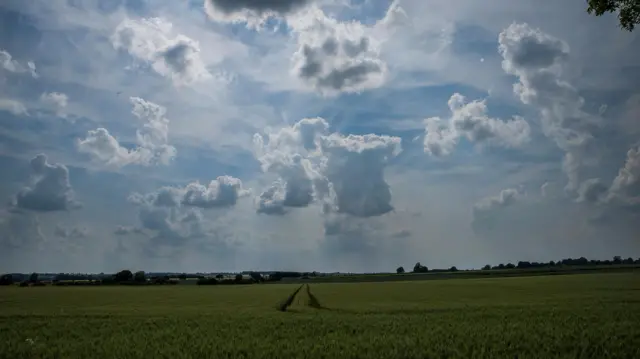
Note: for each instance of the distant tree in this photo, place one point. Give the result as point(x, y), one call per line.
point(487, 267)
point(6, 279)
point(500, 266)
point(219, 276)
point(33, 278)
point(400, 270)
point(256, 277)
point(617, 260)
point(140, 277)
point(238, 277)
point(453, 269)
point(124, 276)
point(419, 268)
point(628, 11)
point(510, 266)
point(182, 276)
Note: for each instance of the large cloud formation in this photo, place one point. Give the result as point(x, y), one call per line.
point(334, 57)
point(345, 172)
point(152, 140)
point(152, 41)
point(174, 213)
point(470, 120)
point(537, 59)
point(50, 189)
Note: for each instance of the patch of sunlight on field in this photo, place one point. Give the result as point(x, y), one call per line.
point(570, 316)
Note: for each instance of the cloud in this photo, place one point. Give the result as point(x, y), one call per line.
point(470, 120)
point(346, 172)
point(506, 198)
point(551, 190)
point(334, 57)
point(591, 190)
point(625, 188)
point(126, 230)
point(152, 140)
point(488, 211)
point(55, 102)
point(224, 191)
point(50, 189)
point(71, 233)
point(19, 230)
point(355, 168)
point(152, 41)
point(537, 59)
point(9, 64)
point(251, 11)
point(15, 107)
point(175, 213)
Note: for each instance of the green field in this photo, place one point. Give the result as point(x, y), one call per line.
point(568, 316)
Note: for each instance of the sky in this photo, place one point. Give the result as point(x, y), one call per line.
point(328, 135)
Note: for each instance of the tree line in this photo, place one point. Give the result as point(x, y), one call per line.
point(568, 262)
point(127, 277)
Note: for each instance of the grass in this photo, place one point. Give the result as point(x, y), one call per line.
point(572, 316)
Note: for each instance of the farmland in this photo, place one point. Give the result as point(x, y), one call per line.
point(563, 316)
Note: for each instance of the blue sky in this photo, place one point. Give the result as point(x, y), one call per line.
point(333, 135)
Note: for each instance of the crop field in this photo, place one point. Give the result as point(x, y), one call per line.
point(562, 316)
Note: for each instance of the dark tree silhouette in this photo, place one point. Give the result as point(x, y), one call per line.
point(6, 279)
point(400, 270)
point(124, 276)
point(140, 277)
point(628, 11)
point(419, 268)
point(33, 278)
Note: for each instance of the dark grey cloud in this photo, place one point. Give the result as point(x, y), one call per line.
point(126, 230)
point(335, 57)
point(71, 232)
point(251, 10)
point(50, 189)
point(591, 190)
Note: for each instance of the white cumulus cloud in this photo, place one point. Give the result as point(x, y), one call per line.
point(152, 41)
point(537, 59)
point(152, 140)
point(470, 120)
point(345, 172)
